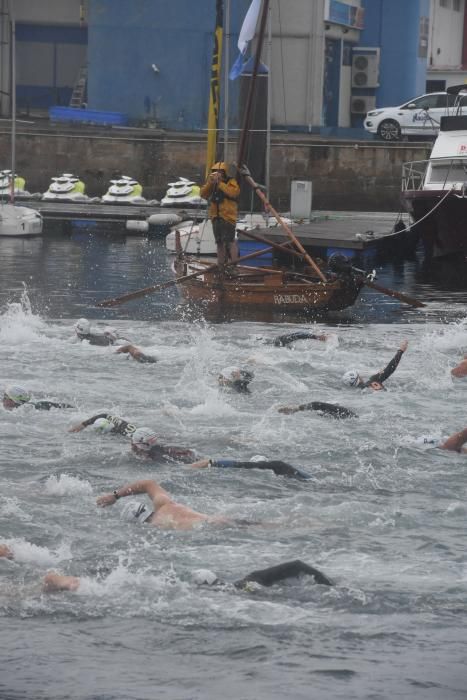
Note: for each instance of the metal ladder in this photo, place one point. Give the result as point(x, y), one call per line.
point(79, 89)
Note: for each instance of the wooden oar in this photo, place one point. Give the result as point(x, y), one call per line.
point(269, 208)
point(369, 283)
point(392, 293)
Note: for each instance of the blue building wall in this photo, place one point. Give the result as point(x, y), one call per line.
point(394, 26)
point(126, 38)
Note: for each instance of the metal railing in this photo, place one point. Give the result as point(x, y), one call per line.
point(444, 174)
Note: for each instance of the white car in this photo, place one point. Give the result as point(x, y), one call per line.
point(418, 117)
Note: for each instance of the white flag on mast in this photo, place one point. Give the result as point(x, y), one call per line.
point(247, 33)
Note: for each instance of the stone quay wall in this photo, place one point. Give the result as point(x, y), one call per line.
point(346, 175)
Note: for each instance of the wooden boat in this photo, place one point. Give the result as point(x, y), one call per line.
point(266, 287)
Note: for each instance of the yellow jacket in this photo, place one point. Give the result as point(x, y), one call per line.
point(226, 209)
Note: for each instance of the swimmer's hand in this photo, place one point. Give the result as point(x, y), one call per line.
point(76, 428)
point(288, 409)
point(404, 345)
point(108, 499)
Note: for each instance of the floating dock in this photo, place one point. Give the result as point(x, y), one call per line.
point(349, 233)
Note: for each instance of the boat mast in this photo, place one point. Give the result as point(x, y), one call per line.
point(251, 88)
point(13, 102)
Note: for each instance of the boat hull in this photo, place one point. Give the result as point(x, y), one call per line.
point(440, 219)
point(267, 290)
point(19, 222)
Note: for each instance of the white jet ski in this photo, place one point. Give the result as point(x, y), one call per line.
point(124, 190)
point(5, 185)
point(183, 193)
point(66, 187)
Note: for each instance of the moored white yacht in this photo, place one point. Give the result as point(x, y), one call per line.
point(434, 191)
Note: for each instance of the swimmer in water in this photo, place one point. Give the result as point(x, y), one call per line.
point(286, 340)
point(16, 396)
point(83, 332)
point(460, 371)
point(136, 354)
point(145, 443)
point(257, 462)
point(235, 379)
point(106, 423)
point(375, 382)
point(54, 582)
point(5, 551)
point(164, 511)
point(324, 409)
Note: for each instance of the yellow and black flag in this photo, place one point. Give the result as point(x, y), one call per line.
point(214, 92)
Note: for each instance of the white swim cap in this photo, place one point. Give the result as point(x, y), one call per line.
point(102, 425)
point(258, 458)
point(17, 394)
point(82, 326)
point(351, 378)
point(205, 577)
point(135, 510)
point(235, 379)
point(111, 333)
point(144, 438)
point(235, 374)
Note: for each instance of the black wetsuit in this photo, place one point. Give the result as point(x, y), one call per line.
point(380, 377)
point(120, 426)
point(284, 340)
point(45, 405)
point(96, 338)
point(277, 466)
point(328, 409)
point(141, 357)
point(281, 572)
point(167, 453)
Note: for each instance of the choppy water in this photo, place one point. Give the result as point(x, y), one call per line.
point(384, 518)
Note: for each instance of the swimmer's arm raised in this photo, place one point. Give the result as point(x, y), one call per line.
point(392, 365)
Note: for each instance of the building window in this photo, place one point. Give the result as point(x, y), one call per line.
point(456, 5)
point(423, 37)
point(445, 3)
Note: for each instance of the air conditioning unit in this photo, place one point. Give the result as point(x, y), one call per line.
point(365, 68)
point(361, 104)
